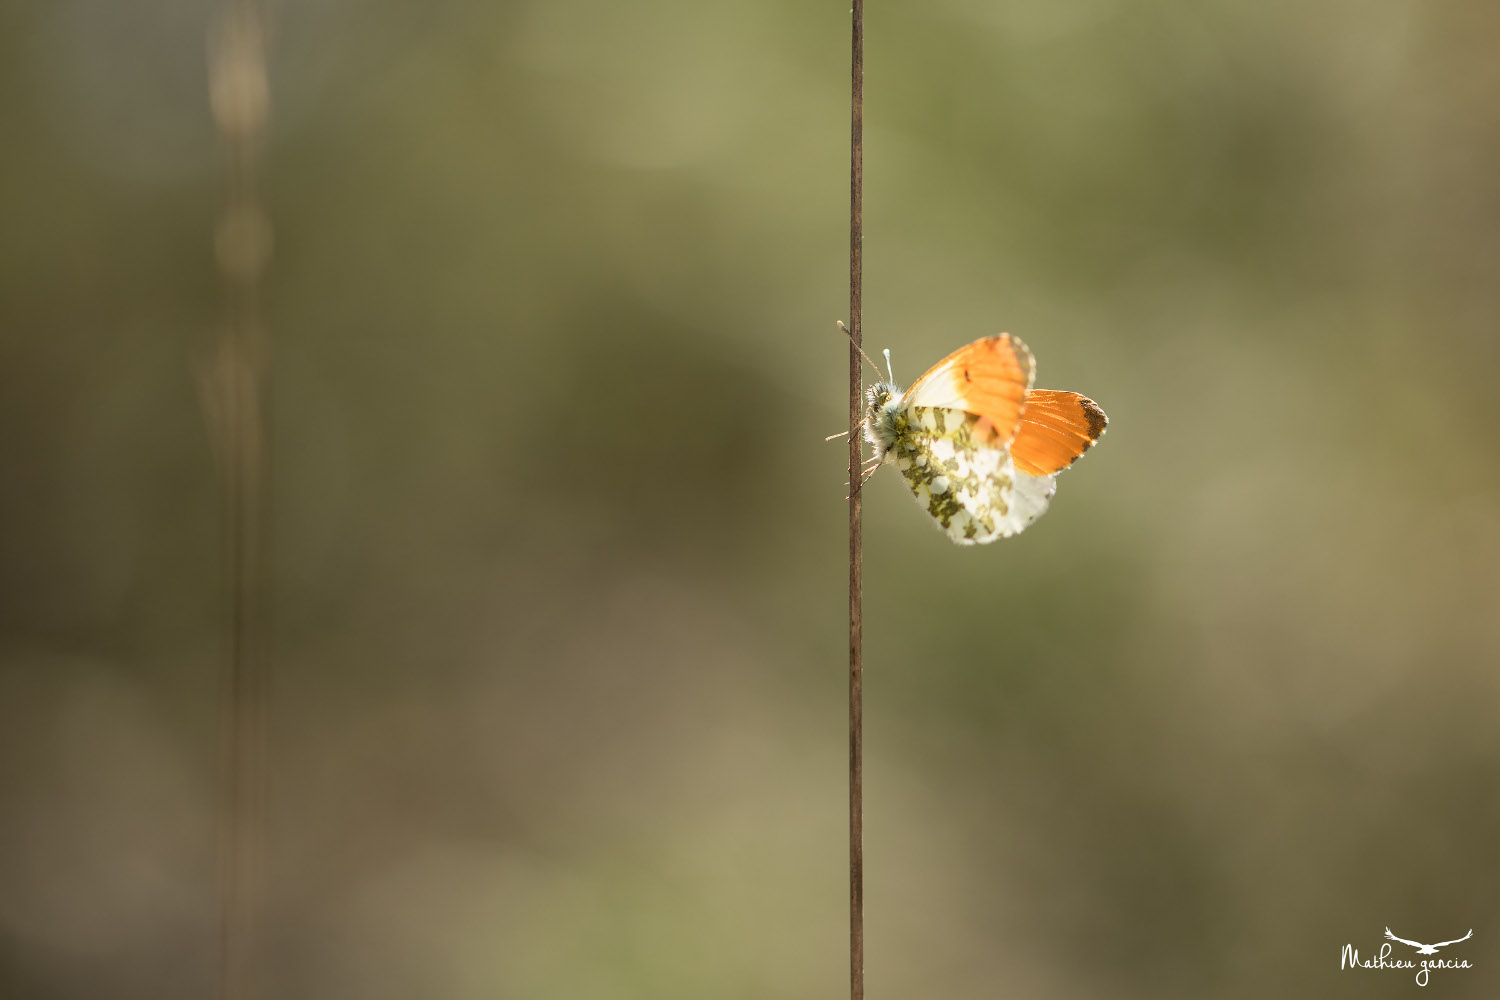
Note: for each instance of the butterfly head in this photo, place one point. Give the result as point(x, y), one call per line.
point(882, 416)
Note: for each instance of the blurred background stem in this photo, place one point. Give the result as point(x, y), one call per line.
point(236, 396)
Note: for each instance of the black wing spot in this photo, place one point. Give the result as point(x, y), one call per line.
point(966, 376)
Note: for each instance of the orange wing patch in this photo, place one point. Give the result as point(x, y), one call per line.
point(1056, 428)
point(990, 377)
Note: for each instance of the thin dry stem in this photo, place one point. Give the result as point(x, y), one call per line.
point(856, 555)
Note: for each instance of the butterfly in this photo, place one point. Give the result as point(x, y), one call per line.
point(979, 447)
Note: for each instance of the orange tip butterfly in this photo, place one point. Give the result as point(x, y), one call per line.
point(978, 446)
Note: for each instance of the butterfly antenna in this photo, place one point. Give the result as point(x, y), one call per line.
point(888, 371)
point(857, 347)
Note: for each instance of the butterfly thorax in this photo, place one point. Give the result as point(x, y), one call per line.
point(885, 419)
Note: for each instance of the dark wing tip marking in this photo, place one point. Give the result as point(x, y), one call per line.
point(1097, 419)
point(1095, 416)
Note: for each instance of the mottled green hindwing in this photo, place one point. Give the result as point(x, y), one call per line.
point(961, 474)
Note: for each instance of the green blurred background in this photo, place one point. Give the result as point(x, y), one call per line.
point(558, 697)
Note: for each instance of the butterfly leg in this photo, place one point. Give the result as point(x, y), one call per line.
point(870, 465)
point(869, 474)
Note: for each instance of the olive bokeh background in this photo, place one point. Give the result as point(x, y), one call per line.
point(558, 698)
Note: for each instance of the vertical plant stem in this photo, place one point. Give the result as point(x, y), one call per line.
point(856, 553)
point(235, 395)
